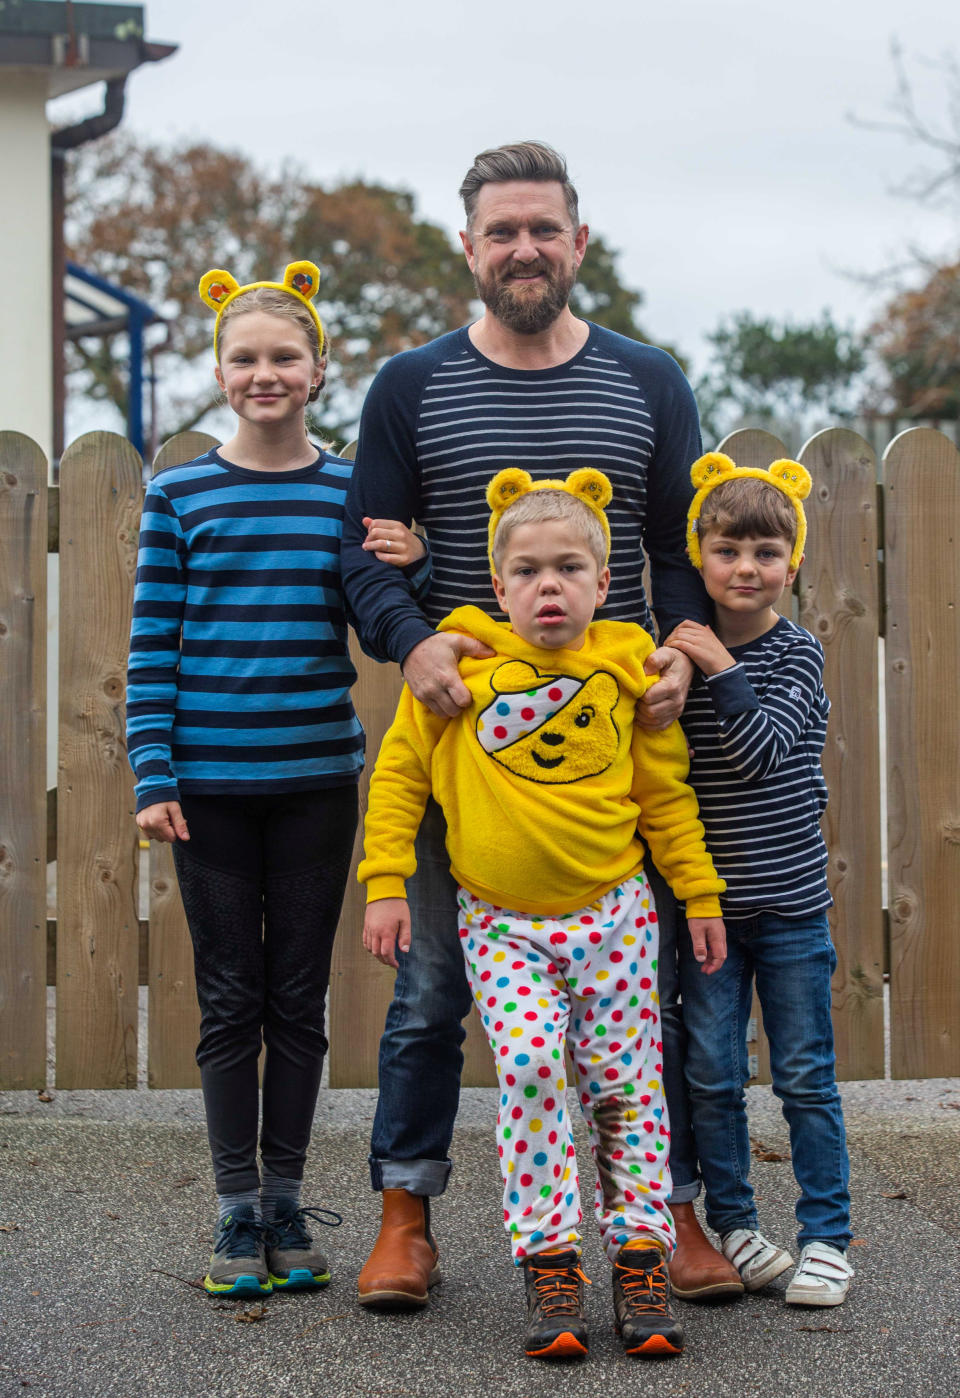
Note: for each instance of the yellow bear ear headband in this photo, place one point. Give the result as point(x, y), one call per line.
point(587, 485)
point(789, 477)
point(301, 280)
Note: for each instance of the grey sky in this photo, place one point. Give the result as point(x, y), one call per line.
point(709, 141)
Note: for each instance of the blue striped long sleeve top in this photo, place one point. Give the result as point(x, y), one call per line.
point(239, 674)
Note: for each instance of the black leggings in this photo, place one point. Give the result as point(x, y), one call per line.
point(262, 880)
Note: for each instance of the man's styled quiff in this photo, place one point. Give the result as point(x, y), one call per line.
point(748, 509)
point(524, 160)
point(539, 506)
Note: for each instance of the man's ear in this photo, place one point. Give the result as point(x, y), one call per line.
point(580, 239)
point(468, 252)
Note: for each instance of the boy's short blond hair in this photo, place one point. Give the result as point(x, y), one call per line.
point(539, 506)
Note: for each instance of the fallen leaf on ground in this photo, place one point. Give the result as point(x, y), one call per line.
point(894, 1194)
point(184, 1180)
point(44, 1096)
point(859, 1243)
point(950, 1106)
point(250, 1314)
point(9, 1228)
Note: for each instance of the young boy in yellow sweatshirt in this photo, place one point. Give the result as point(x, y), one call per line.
point(547, 786)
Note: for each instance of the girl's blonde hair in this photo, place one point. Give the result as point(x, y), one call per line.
point(275, 302)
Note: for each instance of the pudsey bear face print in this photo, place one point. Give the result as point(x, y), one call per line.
point(550, 728)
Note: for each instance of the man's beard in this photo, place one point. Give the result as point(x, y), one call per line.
point(525, 314)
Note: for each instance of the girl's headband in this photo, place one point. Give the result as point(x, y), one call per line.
point(587, 485)
point(789, 477)
point(301, 280)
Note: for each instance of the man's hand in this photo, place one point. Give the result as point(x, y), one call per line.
point(709, 938)
point(385, 927)
point(664, 701)
point(163, 821)
point(702, 645)
point(430, 670)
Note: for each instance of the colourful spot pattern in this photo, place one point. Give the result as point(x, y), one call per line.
point(587, 979)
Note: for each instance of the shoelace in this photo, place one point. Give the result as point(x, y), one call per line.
point(556, 1288)
point(290, 1232)
point(646, 1291)
point(239, 1237)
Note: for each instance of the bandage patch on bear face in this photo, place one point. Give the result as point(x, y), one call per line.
point(550, 728)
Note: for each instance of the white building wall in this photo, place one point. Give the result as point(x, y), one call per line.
point(26, 391)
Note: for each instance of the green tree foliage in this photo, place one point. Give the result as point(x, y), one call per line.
point(779, 372)
point(154, 218)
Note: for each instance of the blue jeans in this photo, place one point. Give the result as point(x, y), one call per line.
point(793, 961)
point(420, 1051)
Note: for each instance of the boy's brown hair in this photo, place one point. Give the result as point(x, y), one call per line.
point(748, 509)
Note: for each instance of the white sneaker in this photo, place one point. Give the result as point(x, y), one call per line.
point(756, 1259)
point(822, 1277)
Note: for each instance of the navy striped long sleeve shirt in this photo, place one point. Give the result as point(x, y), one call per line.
point(239, 675)
point(440, 421)
point(757, 731)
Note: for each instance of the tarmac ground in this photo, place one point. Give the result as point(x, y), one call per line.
point(106, 1219)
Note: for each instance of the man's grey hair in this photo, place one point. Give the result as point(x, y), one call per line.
point(524, 160)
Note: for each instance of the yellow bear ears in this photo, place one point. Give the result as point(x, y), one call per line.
point(587, 485)
point(789, 477)
point(301, 279)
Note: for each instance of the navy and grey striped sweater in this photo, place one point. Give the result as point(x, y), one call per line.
point(440, 421)
point(757, 732)
point(239, 675)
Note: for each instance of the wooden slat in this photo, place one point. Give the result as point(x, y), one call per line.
point(97, 931)
point(173, 1016)
point(360, 988)
point(753, 448)
point(839, 604)
point(23, 801)
point(922, 556)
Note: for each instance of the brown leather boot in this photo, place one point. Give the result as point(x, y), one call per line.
point(404, 1262)
point(698, 1271)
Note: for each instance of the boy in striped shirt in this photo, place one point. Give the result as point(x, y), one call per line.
point(756, 720)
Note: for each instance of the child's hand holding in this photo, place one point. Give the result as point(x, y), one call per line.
point(385, 927)
point(702, 646)
point(392, 542)
point(709, 938)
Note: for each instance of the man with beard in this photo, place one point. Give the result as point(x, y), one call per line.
point(531, 385)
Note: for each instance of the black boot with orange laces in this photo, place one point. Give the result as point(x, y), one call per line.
point(555, 1325)
point(641, 1300)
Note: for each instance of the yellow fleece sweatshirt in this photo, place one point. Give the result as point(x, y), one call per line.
point(543, 779)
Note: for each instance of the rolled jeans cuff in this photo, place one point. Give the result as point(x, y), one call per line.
point(684, 1193)
point(416, 1176)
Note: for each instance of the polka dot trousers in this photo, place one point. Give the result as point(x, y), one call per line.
point(588, 980)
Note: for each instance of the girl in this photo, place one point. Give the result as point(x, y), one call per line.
point(247, 752)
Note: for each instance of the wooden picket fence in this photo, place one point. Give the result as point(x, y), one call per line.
point(883, 571)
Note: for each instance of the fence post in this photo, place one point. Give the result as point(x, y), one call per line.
point(173, 1017)
point(97, 925)
point(839, 604)
point(23, 797)
point(922, 565)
